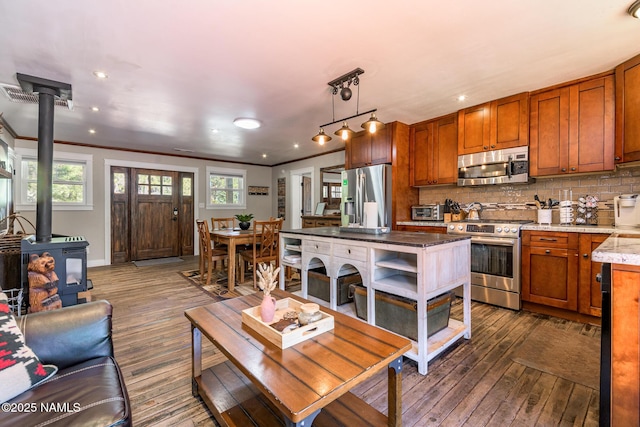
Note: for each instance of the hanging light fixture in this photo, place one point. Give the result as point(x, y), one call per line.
point(634, 9)
point(341, 86)
point(321, 137)
point(344, 132)
point(373, 124)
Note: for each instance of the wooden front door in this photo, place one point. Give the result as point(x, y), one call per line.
point(151, 214)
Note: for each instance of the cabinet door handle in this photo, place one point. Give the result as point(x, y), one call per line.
point(585, 255)
point(573, 169)
point(485, 148)
point(493, 146)
point(348, 251)
point(547, 251)
point(564, 169)
point(617, 158)
point(548, 239)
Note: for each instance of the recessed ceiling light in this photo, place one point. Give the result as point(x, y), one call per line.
point(295, 145)
point(462, 98)
point(100, 74)
point(92, 131)
point(634, 9)
point(247, 123)
point(214, 130)
point(264, 156)
point(96, 109)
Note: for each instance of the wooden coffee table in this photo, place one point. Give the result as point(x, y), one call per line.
point(303, 384)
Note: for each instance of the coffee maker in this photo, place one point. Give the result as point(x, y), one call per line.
point(627, 211)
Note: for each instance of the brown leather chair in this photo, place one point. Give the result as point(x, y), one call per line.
point(77, 339)
point(209, 255)
point(266, 238)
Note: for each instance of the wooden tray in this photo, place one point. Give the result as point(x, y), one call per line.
point(251, 318)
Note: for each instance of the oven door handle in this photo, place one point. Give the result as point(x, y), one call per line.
point(497, 242)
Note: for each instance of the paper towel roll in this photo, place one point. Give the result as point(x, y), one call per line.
point(370, 219)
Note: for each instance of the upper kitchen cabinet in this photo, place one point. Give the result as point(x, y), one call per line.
point(572, 128)
point(498, 124)
point(628, 111)
point(434, 151)
point(366, 149)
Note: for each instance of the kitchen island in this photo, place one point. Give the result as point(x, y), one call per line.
point(412, 265)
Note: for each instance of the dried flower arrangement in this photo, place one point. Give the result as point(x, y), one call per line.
point(267, 277)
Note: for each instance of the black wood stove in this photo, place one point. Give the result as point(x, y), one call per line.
point(69, 253)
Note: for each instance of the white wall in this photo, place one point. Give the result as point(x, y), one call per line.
point(315, 163)
point(93, 224)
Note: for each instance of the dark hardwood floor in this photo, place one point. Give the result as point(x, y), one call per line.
point(475, 383)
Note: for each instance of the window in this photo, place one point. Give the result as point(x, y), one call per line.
point(71, 181)
point(227, 188)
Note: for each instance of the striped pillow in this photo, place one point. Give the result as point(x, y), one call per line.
point(20, 368)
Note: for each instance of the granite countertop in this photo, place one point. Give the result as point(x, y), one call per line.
point(534, 226)
point(404, 238)
point(600, 229)
point(622, 247)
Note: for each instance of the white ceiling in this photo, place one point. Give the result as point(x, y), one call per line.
point(177, 70)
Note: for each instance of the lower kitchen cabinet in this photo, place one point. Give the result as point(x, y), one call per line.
point(422, 229)
point(589, 294)
point(558, 273)
point(550, 269)
point(625, 347)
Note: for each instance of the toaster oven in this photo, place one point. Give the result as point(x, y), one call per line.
point(431, 212)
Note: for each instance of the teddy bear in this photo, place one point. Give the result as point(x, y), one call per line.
point(43, 283)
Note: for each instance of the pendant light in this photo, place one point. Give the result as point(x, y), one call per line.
point(344, 132)
point(373, 124)
point(341, 86)
point(321, 137)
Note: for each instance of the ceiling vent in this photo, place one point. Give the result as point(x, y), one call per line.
point(16, 94)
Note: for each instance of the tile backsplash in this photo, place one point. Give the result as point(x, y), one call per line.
point(603, 185)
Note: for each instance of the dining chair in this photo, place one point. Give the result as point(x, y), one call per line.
point(266, 237)
point(222, 223)
point(209, 255)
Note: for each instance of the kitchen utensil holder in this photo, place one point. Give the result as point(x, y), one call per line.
point(544, 216)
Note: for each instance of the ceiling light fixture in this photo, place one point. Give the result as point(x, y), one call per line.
point(247, 123)
point(634, 9)
point(92, 131)
point(95, 109)
point(342, 86)
point(100, 74)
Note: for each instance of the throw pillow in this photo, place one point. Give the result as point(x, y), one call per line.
point(20, 368)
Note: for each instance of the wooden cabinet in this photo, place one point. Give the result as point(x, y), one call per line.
point(422, 229)
point(366, 149)
point(627, 111)
point(625, 345)
point(557, 271)
point(499, 124)
point(321, 221)
point(572, 128)
point(589, 294)
point(550, 269)
point(433, 155)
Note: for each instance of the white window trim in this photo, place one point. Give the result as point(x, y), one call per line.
point(87, 159)
point(213, 170)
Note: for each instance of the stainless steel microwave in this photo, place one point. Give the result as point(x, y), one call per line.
point(508, 166)
point(431, 212)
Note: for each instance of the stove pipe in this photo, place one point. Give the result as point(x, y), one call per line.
point(47, 90)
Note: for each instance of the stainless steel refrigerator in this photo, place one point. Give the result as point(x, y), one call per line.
point(366, 199)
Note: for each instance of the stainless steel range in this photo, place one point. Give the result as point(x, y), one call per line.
point(495, 260)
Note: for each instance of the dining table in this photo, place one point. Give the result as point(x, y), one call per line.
point(232, 238)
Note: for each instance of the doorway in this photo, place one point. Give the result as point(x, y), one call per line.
point(297, 203)
point(151, 214)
